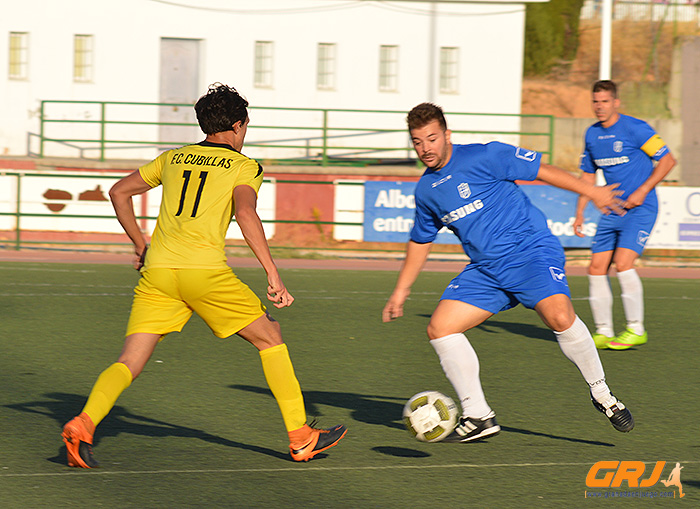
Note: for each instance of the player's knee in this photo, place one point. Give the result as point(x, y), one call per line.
point(598, 269)
point(435, 331)
point(561, 320)
point(263, 333)
point(624, 265)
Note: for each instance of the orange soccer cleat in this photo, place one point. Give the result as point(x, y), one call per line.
point(321, 439)
point(77, 434)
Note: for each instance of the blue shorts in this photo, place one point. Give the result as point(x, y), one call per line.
point(532, 275)
point(630, 231)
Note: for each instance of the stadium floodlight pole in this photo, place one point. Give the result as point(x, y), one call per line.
point(605, 40)
point(432, 50)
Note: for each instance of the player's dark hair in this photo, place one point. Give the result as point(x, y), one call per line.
point(605, 86)
point(220, 108)
point(423, 114)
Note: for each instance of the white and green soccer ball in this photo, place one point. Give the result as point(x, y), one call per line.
point(430, 416)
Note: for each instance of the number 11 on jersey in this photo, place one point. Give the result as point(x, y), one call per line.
point(186, 176)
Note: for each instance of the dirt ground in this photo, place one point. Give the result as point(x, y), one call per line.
point(561, 99)
point(641, 52)
point(45, 256)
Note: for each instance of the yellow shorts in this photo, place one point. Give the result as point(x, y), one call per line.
point(164, 301)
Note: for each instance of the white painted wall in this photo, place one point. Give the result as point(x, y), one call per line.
point(489, 33)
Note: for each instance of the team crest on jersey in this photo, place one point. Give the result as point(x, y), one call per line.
point(642, 237)
point(464, 191)
point(617, 146)
point(558, 275)
point(525, 154)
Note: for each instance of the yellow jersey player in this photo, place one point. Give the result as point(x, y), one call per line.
point(185, 271)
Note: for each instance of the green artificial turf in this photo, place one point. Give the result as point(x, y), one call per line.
point(199, 428)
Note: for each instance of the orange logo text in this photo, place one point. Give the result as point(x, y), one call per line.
point(610, 474)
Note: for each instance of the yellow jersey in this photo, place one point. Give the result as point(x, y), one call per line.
point(197, 204)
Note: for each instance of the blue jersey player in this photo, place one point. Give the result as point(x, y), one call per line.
point(471, 190)
point(625, 149)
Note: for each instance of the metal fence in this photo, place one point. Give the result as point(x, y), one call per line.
point(30, 216)
point(314, 136)
point(688, 11)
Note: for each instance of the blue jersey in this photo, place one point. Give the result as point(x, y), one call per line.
point(476, 197)
point(624, 151)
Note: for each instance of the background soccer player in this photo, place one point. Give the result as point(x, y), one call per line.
point(471, 190)
point(625, 148)
point(185, 270)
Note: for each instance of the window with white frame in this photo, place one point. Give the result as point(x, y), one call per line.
point(83, 54)
point(388, 68)
point(449, 66)
point(326, 67)
point(263, 64)
point(19, 56)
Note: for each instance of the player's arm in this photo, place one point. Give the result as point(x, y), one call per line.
point(605, 198)
point(121, 195)
point(581, 204)
point(245, 201)
point(416, 255)
point(662, 168)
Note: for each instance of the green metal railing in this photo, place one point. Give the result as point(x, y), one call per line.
point(17, 213)
point(324, 135)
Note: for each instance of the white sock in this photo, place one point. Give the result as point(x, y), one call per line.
point(461, 365)
point(632, 299)
point(601, 302)
point(578, 346)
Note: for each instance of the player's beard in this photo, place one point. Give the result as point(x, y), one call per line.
point(433, 160)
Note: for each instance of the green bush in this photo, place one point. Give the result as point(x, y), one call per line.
point(551, 34)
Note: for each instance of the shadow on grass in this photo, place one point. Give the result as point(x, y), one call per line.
point(400, 452)
point(376, 410)
point(508, 429)
point(694, 484)
point(519, 329)
point(380, 410)
point(61, 407)
point(527, 330)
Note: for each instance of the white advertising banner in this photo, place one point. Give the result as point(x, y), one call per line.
point(55, 202)
point(678, 223)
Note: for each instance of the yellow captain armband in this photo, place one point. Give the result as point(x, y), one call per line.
point(653, 145)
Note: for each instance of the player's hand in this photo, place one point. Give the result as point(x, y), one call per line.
point(394, 307)
point(277, 293)
point(578, 227)
point(139, 257)
point(635, 199)
point(607, 199)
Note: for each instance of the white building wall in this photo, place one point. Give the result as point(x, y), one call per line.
point(127, 34)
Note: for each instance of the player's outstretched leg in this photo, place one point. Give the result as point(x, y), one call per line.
point(469, 429)
point(307, 442)
point(461, 366)
point(77, 434)
point(620, 417)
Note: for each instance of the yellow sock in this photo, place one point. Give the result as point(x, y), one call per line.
point(110, 384)
point(284, 385)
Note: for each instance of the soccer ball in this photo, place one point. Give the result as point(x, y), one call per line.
point(430, 416)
